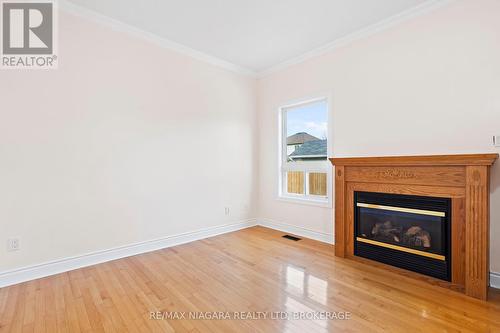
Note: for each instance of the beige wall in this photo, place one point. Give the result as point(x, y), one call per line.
point(128, 142)
point(426, 86)
point(124, 142)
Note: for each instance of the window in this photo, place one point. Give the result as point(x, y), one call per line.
point(304, 168)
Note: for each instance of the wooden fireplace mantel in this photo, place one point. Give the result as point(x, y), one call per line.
point(462, 178)
point(429, 160)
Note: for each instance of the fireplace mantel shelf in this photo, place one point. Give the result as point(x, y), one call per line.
point(428, 160)
point(462, 178)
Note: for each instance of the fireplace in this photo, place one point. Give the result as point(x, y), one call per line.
point(410, 232)
point(456, 186)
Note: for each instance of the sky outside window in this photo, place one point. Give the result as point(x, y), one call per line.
point(310, 118)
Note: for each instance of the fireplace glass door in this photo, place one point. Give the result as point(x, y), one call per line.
point(411, 232)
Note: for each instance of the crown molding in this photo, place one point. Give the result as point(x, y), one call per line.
point(387, 23)
point(394, 20)
point(117, 25)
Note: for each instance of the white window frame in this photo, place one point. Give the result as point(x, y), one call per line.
point(306, 167)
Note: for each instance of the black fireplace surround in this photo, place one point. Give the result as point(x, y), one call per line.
point(410, 232)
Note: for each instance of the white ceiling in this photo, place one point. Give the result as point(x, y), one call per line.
point(254, 34)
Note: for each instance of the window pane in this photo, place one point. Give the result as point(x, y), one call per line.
point(306, 127)
point(317, 183)
point(295, 182)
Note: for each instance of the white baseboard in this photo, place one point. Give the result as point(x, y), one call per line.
point(495, 280)
point(12, 277)
point(299, 231)
point(16, 276)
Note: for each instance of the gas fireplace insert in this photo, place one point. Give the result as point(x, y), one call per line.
point(410, 232)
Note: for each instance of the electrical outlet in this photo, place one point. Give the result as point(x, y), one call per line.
point(496, 140)
point(13, 244)
point(226, 210)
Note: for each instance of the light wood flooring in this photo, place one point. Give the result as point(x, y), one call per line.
point(248, 270)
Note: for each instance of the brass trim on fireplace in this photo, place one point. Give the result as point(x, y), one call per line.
point(401, 209)
point(401, 248)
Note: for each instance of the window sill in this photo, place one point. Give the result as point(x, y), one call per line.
point(305, 201)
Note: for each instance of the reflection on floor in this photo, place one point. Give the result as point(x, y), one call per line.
point(279, 285)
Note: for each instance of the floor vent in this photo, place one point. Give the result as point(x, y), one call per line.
point(292, 237)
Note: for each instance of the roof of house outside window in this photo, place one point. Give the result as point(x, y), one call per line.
point(300, 138)
point(316, 148)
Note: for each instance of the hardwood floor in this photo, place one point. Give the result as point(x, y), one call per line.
point(249, 270)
